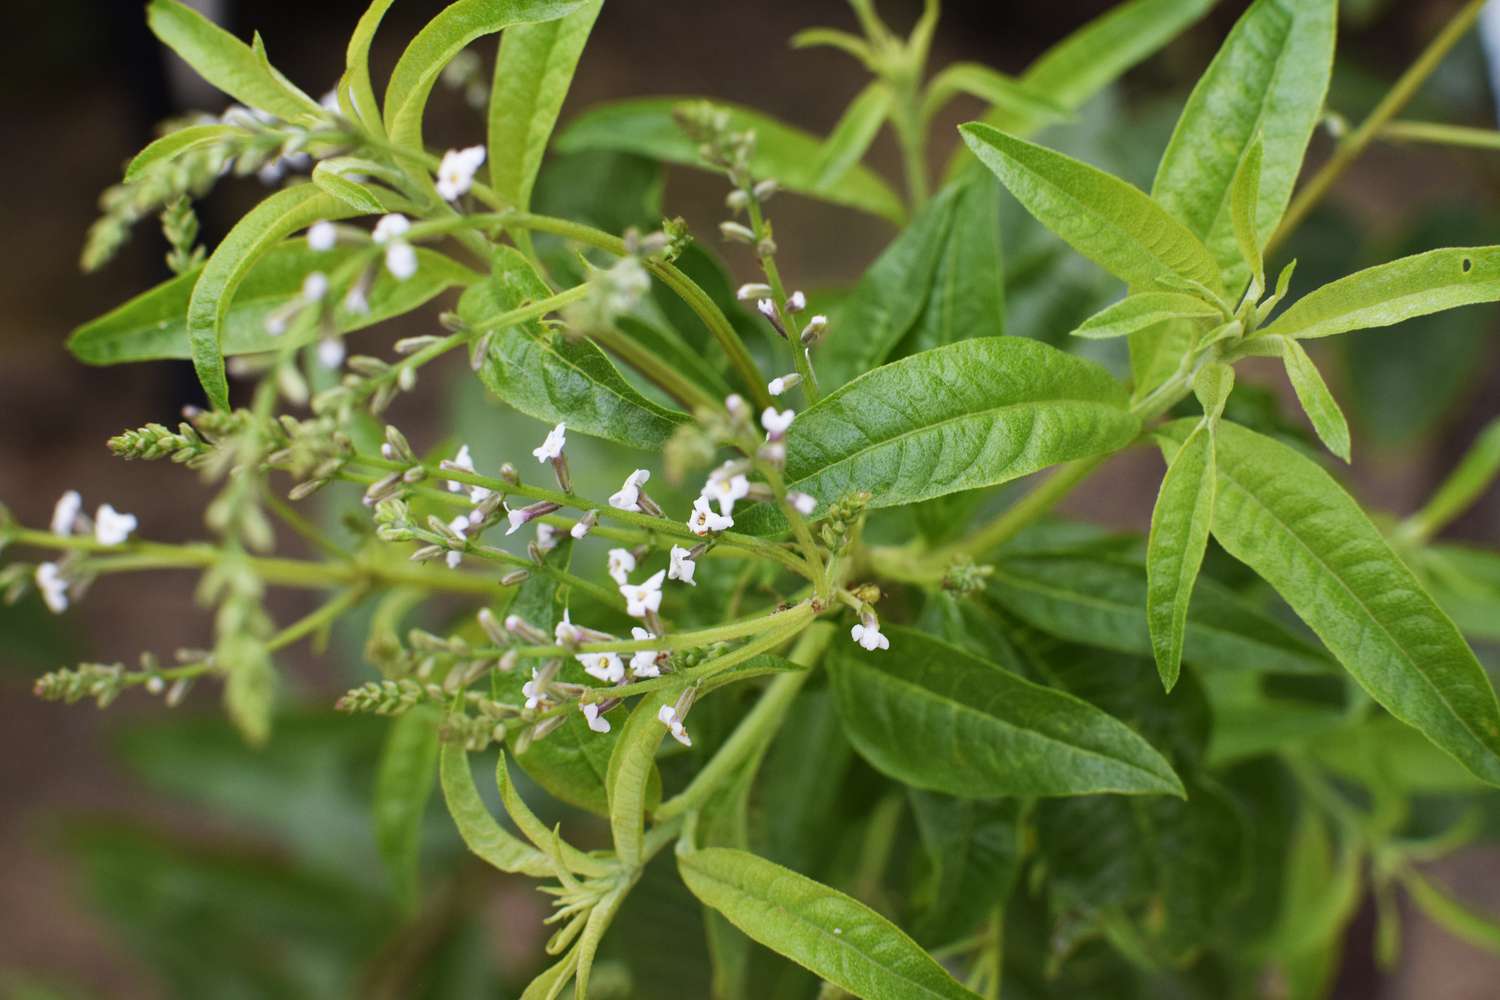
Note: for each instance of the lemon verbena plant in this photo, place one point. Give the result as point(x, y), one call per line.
point(908, 733)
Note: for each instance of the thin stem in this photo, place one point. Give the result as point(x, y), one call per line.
point(695, 639)
point(317, 619)
point(1442, 135)
point(303, 527)
point(1352, 145)
point(642, 359)
point(800, 359)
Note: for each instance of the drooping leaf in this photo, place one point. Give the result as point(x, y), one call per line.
point(1143, 311)
point(820, 928)
point(645, 126)
point(479, 829)
point(1283, 516)
point(935, 717)
point(850, 139)
point(1312, 392)
point(1267, 83)
point(1115, 225)
point(403, 784)
point(1174, 551)
point(553, 377)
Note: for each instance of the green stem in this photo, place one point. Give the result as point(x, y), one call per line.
point(687, 392)
point(1352, 145)
point(1442, 135)
point(800, 358)
point(760, 624)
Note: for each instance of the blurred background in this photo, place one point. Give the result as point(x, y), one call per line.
point(145, 853)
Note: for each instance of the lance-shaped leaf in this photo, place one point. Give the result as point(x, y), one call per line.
point(175, 144)
point(1479, 929)
point(1464, 485)
point(1006, 95)
point(356, 195)
point(1112, 223)
point(403, 784)
point(356, 91)
point(1312, 392)
point(554, 377)
point(631, 768)
point(478, 828)
point(1244, 209)
point(540, 835)
point(1419, 285)
point(1267, 82)
point(228, 63)
point(532, 75)
point(442, 38)
point(932, 716)
point(851, 137)
point(1142, 311)
point(1283, 516)
point(836, 937)
point(153, 325)
point(646, 127)
point(1175, 548)
point(974, 413)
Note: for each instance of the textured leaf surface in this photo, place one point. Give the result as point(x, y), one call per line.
point(1316, 399)
point(967, 294)
point(836, 937)
point(479, 829)
point(645, 126)
point(932, 716)
point(356, 91)
point(1174, 551)
point(631, 767)
point(174, 144)
point(1288, 520)
point(1143, 311)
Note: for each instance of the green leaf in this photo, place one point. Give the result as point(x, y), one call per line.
point(974, 413)
point(442, 38)
point(1312, 392)
point(932, 716)
point(1005, 94)
point(1283, 516)
point(1478, 929)
point(1107, 220)
point(967, 294)
point(352, 193)
point(228, 63)
point(403, 783)
point(1466, 584)
point(356, 92)
point(1267, 82)
point(1142, 311)
point(972, 849)
point(1174, 551)
point(819, 928)
point(1419, 285)
point(532, 75)
point(1244, 206)
point(176, 143)
point(645, 126)
point(535, 831)
point(250, 688)
point(850, 139)
point(153, 325)
point(1212, 385)
point(553, 377)
point(1101, 602)
point(630, 769)
point(1465, 484)
point(484, 836)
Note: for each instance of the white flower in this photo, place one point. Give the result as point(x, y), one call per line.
point(796, 302)
point(65, 513)
point(459, 526)
point(734, 403)
point(456, 174)
point(53, 587)
point(628, 497)
point(642, 599)
point(111, 527)
point(583, 526)
point(621, 565)
point(464, 462)
point(401, 260)
point(566, 633)
point(776, 423)
point(597, 722)
point(390, 227)
point(331, 352)
point(322, 236)
point(781, 384)
point(546, 537)
point(667, 716)
point(767, 308)
point(607, 667)
point(518, 518)
point(726, 490)
point(802, 503)
point(869, 636)
point(533, 691)
point(643, 663)
point(704, 520)
point(552, 447)
point(752, 291)
point(314, 287)
point(329, 102)
point(355, 303)
point(815, 326)
point(682, 567)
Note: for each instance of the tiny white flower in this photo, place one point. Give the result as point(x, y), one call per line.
point(331, 352)
point(581, 528)
point(597, 722)
point(518, 518)
point(754, 290)
point(683, 566)
point(566, 633)
point(356, 303)
point(330, 102)
point(776, 423)
point(776, 386)
point(390, 227)
point(546, 537)
point(667, 716)
point(322, 236)
point(401, 260)
point(53, 587)
point(796, 302)
point(65, 513)
point(869, 636)
point(155, 685)
point(453, 559)
point(314, 287)
point(816, 325)
point(644, 662)
point(460, 527)
point(802, 503)
point(111, 527)
point(552, 447)
point(767, 308)
point(643, 598)
point(628, 497)
point(726, 490)
point(621, 565)
point(607, 667)
point(734, 403)
point(465, 463)
point(456, 172)
point(532, 689)
point(704, 520)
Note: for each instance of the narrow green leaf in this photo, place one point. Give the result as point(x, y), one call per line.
point(850, 139)
point(442, 38)
point(550, 983)
point(1478, 929)
point(553, 377)
point(967, 294)
point(535, 831)
point(532, 75)
point(1142, 311)
point(630, 769)
point(823, 930)
point(228, 63)
point(1419, 285)
point(484, 836)
point(1005, 94)
point(832, 38)
point(1283, 516)
point(355, 88)
point(1115, 225)
point(1244, 205)
point(1473, 475)
point(353, 194)
point(1466, 584)
point(1312, 392)
point(1268, 82)
point(932, 716)
point(1175, 548)
point(1212, 385)
point(174, 144)
point(403, 784)
point(645, 126)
